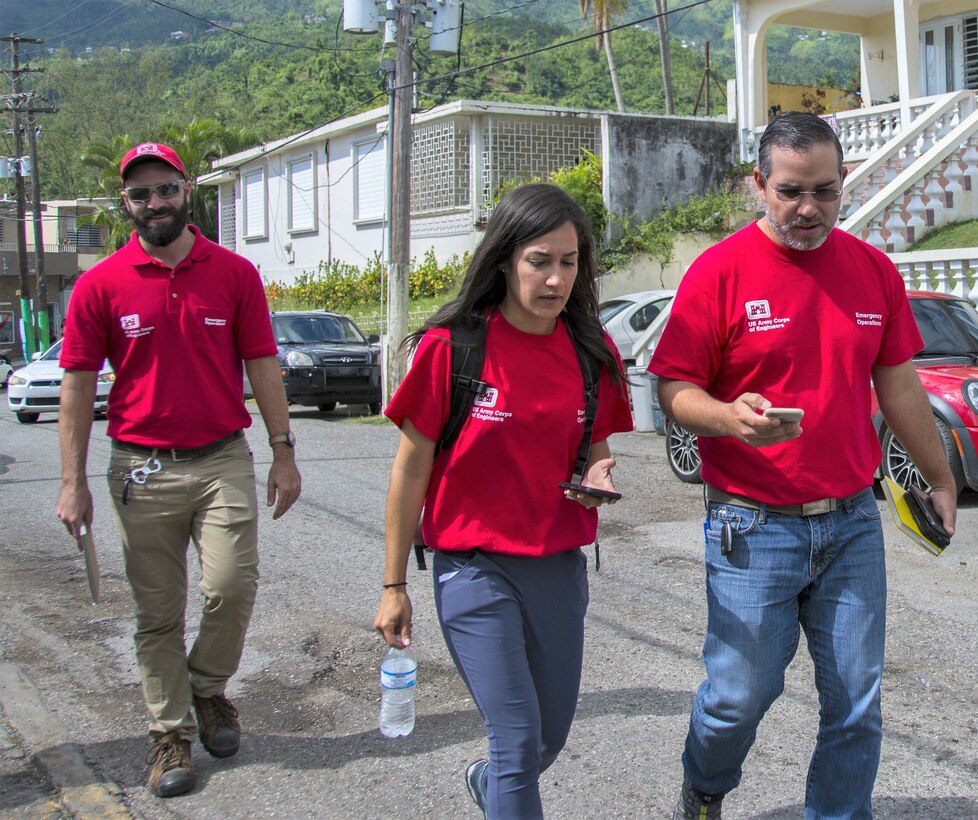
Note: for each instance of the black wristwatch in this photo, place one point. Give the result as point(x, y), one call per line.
point(287, 438)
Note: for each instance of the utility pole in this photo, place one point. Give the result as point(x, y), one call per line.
point(43, 329)
point(360, 17)
point(662, 8)
point(24, 110)
point(26, 313)
point(400, 194)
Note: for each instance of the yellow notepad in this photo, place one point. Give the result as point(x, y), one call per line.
point(903, 518)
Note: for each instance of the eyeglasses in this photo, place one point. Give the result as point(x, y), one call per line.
point(165, 190)
point(821, 195)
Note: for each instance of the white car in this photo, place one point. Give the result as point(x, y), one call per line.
point(627, 317)
point(36, 388)
point(5, 370)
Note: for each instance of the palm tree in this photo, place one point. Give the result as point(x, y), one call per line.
point(604, 11)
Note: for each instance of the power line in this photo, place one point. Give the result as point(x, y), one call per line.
point(56, 19)
point(552, 46)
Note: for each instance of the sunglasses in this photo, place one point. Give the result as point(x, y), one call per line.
point(165, 190)
point(821, 195)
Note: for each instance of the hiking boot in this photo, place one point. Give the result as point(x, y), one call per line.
point(475, 779)
point(694, 803)
point(217, 722)
point(171, 772)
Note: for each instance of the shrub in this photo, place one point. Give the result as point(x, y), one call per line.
point(340, 286)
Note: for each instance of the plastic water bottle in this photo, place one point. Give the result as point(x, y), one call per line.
point(398, 674)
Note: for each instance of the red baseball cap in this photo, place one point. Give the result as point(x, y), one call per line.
point(154, 151)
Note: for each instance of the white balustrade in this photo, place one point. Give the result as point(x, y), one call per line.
point(953, 174)
point(915, 212)
point(897, 227)
point(955, 272)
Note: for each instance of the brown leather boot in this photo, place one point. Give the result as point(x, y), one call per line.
point(171, 772)
point(217, 721)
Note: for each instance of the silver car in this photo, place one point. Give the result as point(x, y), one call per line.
point(36, 388)
point(628, 316)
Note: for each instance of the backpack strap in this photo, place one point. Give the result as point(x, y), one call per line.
point(468, 356)
point(590, 370)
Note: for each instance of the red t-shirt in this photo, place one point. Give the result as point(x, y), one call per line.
point(175, 338)
point(495, 488)
point(803, 329)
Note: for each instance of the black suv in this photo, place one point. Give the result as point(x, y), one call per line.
point(326, 359)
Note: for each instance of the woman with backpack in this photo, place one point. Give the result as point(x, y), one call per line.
point(510, 577)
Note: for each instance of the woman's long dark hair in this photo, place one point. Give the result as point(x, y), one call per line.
point(521, 216)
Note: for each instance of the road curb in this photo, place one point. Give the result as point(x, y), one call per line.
point(58, 759)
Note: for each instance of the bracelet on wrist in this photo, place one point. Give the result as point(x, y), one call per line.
point(395, 584)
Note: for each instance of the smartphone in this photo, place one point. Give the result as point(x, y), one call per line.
point(592, 491)
point(925, 516)
point(787, 414)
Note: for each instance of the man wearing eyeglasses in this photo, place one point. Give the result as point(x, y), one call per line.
point(791, 312)
point(175, 314)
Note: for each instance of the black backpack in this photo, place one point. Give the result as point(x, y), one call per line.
point(468, 357)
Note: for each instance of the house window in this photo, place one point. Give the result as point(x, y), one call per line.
point(81, 234)
point(226, 223)
point(301, 177)
point(253, 186)
point(949, 55)
point(969, 38)
point(370, 163)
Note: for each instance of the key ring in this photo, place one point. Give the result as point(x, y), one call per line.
point(140, 474)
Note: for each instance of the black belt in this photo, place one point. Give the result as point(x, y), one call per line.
point(825, 505)
point(178, 455)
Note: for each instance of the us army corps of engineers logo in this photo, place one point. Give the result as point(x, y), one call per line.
point(759, 318)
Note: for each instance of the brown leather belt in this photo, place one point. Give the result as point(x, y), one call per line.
point(825, 505)
point(178, 455)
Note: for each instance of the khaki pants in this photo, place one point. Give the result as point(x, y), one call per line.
point(211, 501)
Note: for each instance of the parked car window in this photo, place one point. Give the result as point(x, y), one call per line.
point(312, 329)
point(644, 316)
point(940, 335)
point(612, 308)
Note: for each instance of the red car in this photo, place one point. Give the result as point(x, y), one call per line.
point(948, 368)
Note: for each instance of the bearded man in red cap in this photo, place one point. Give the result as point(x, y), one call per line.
point(171, 309)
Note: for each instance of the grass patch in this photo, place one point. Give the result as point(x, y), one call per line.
point(376, 421)
point(955, 235)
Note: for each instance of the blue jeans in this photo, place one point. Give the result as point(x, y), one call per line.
point(827, 574)
point(515, 629)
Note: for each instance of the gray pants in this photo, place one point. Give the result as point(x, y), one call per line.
point(515, 629)
point(211, 501)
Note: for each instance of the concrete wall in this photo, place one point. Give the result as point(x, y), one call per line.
point(645, 273)
point(651, 164)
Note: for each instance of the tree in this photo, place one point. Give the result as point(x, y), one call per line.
point(604, 11)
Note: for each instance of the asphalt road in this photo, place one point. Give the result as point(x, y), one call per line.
point(308, 687)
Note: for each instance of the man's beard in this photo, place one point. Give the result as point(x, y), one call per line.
point(163, 233)
point(783, 231)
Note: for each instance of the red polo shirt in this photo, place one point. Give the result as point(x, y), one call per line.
point(175, 338)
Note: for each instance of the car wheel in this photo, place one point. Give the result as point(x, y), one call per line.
point(898, 466)
point(327, 406)
point(683, 453)
point(28, 418)
point(374, 408)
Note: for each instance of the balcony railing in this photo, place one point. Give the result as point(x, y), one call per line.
point(953, 271)
point(64, 247)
